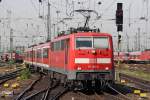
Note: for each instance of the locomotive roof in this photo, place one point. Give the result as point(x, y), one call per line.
point(40, 45)
point(62, 37)
point(81, 34)
point(147, 50)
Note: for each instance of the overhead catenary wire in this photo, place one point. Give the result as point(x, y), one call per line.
point(105, 10)
point(34, 6)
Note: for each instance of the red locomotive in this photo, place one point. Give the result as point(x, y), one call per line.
point(80, 58)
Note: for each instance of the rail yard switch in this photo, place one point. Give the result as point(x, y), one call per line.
point(6, 85)
point(137, 91)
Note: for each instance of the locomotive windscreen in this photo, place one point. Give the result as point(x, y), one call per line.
point(92, 42)
point(100, 42)
point(84, 42)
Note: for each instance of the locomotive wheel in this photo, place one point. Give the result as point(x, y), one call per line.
point(70, 84)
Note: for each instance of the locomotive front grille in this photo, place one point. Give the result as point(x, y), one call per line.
point(94, 76)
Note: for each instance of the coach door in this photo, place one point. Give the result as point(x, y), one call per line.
point(66, 53)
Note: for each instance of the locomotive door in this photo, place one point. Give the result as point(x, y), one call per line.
point(66, 53)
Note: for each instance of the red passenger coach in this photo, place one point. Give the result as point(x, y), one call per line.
point(137, 57)
point(77, 58)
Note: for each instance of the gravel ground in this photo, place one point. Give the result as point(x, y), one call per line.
point(15, 91)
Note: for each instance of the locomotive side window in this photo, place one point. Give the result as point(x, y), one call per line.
point(62, 44)
point(84, 42)
point(45, 53)
point(101, 42)
point(57, 45)
point(39, 54)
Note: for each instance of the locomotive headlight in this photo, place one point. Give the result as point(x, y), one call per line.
point(106, 68)
point(93, 52)
point(78, 68)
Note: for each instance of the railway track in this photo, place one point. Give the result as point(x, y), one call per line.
point(38, 85)
point(42, 89)
point(139, 83)
point(143, 67)
point(110, 93)
point(8, 76)
point(118, 94)
point(56, 92)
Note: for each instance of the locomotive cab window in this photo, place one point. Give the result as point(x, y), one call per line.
point(100, 42)
point(84, 42)
point(92, 42)
point(45, 53)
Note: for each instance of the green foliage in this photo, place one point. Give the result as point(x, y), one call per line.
point(25, 74)
point(136, 73)
point(11, 62)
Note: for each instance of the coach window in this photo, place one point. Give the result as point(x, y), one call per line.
point(25, 54)
point(45, 53)
point(38, 53)
point(31, 54)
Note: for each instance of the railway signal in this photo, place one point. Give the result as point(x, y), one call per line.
point(119, 28)
point(119, 17)
point(119, 38)
point(119, 14)
point(40, 1)
point(119, 23)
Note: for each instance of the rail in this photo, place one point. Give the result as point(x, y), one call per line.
point(27, 89)
point(9, 76)
point(121, 95)
point(139, 83)
point(56, 91)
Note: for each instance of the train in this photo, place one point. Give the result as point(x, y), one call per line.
point(137, 57)
point(80, 59)
point(15, 56)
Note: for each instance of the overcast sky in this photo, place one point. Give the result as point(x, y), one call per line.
point(25, 22)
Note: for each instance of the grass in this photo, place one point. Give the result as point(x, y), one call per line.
point(25, 74)
point(136, 73)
